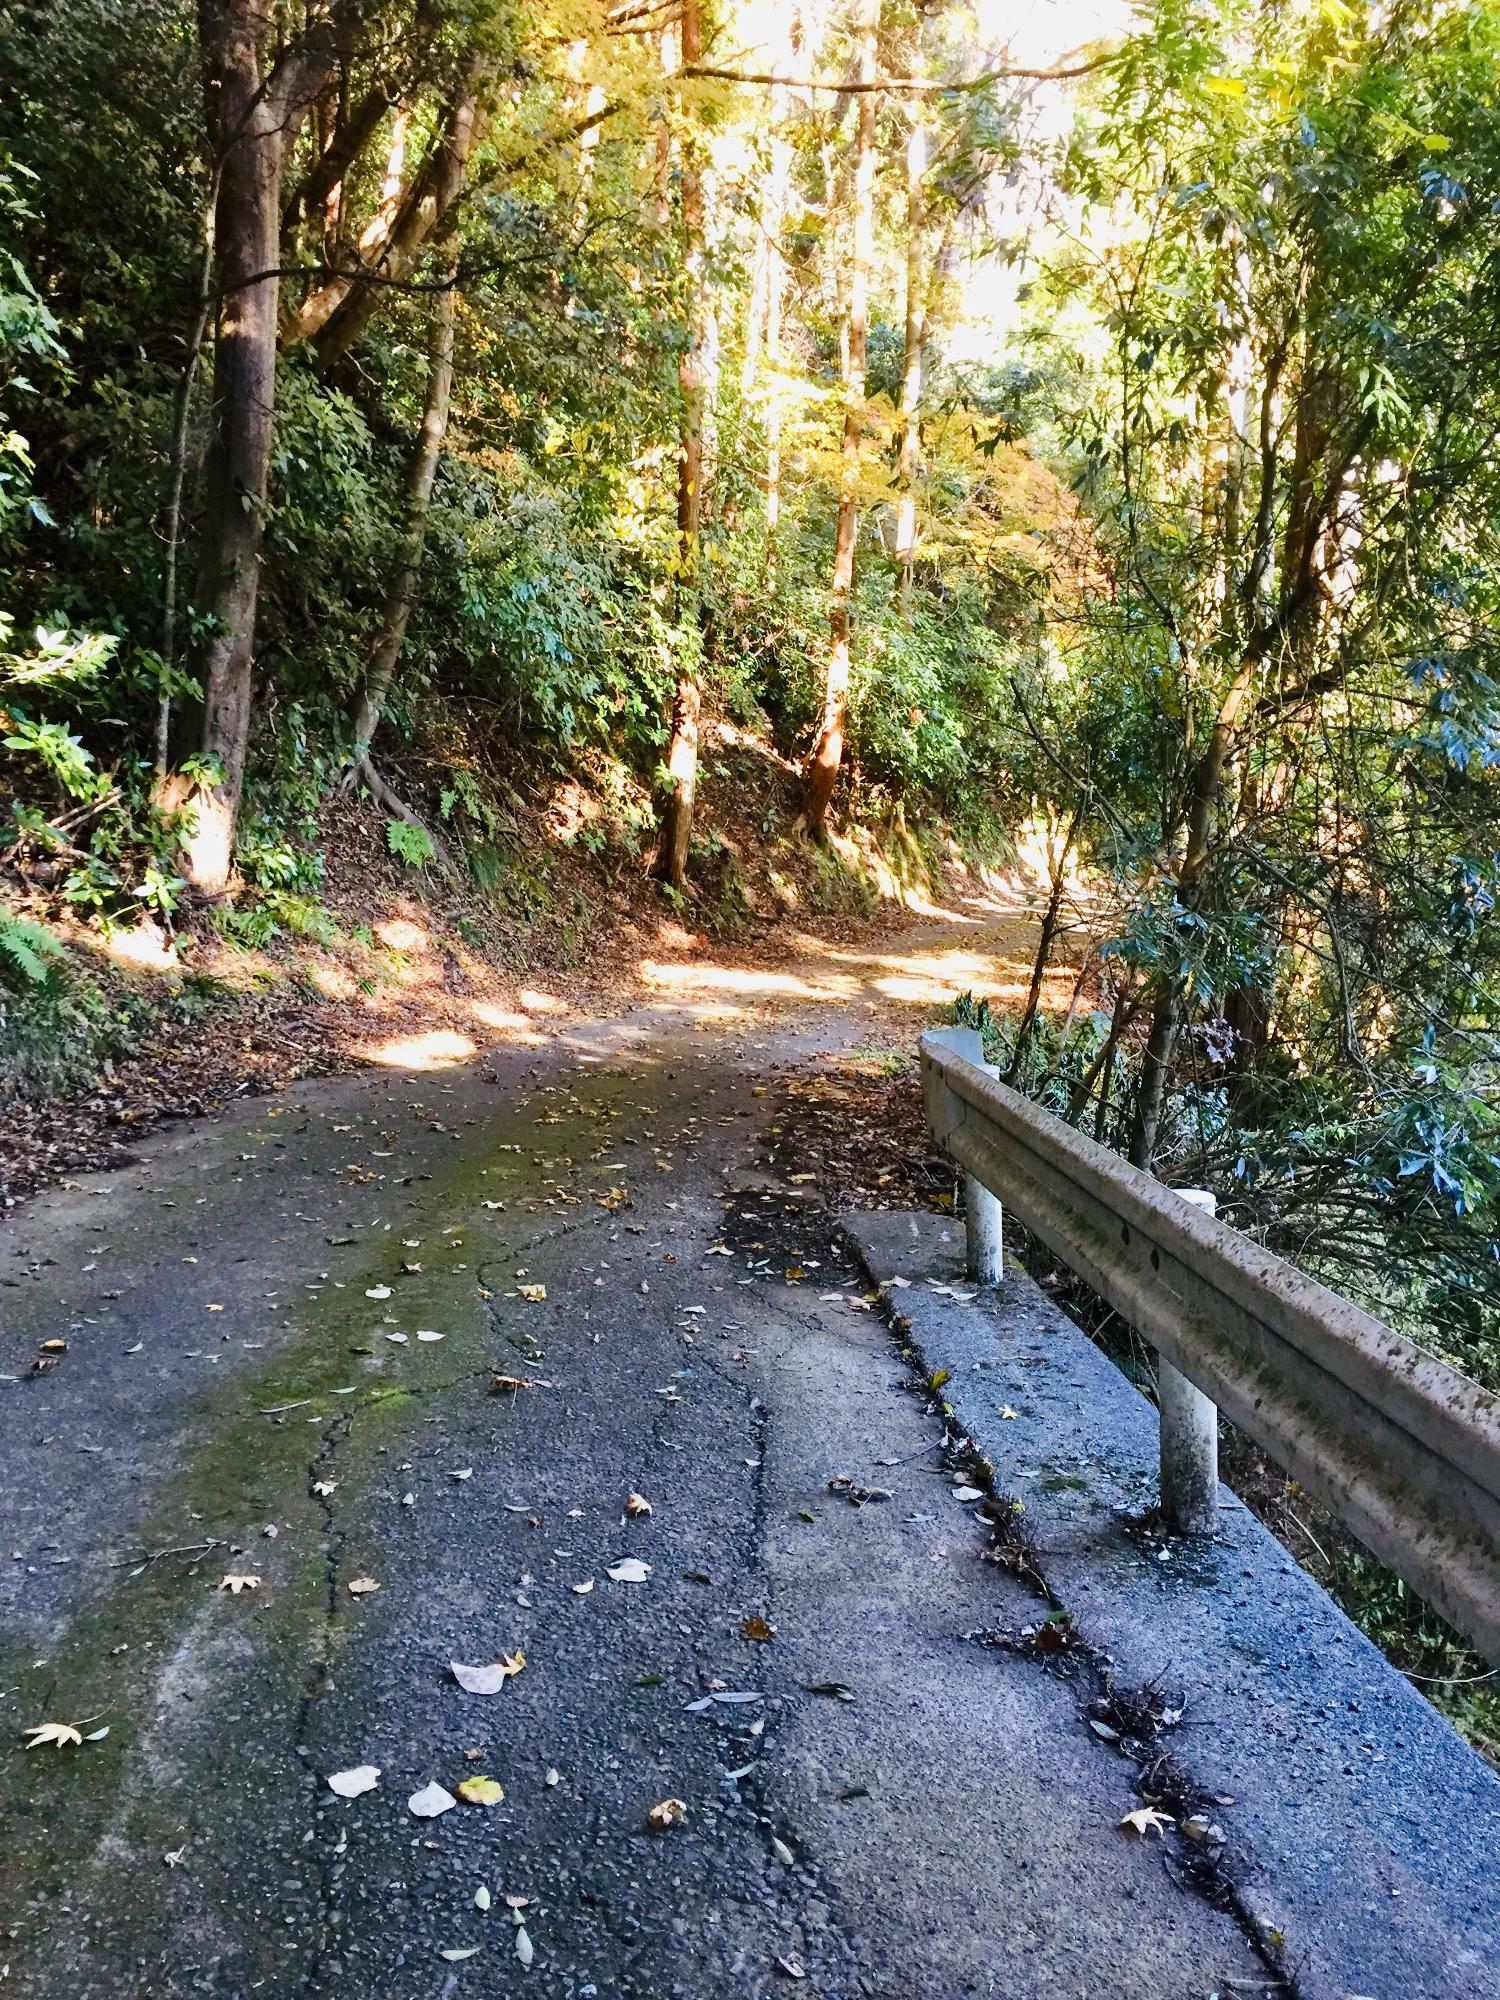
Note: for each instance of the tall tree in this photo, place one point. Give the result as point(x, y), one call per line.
point(676, 832)
point(257, 101)
point(823, 766)
point(914, 353)
point(401, 590)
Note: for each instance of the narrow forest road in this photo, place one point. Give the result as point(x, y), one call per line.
point(283, 1336)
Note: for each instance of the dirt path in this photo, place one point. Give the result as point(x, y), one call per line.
point(251, 1388)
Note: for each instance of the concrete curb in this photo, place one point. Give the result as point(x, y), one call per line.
point(1364, 1832)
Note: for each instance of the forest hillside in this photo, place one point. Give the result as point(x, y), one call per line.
point(756, 452)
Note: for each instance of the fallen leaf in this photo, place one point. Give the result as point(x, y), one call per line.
point(553, 1777)
point(524, 1950)
point(1008, 1412)
point(583, 1589)
point(637, 1506)
point(481, 1897)
point(758, 1628)
point(534, 1293)
point(426, 1333)
point(430, 1801)
point(667, 1812)
point(234, 1582)
point(782, 1852)
point(791, 1968)
point(968, 1494)
point(487, 1680)
point(361, 1586)
point(479, 1791)
point(56, 1735)
point(1146, 1819)
point(350, 1784)
point(323, 1487)
point(840, 1690)
point(466, 1951)
point(629, 1571)
point(378, 1292)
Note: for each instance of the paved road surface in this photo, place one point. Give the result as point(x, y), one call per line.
point(246, 1390)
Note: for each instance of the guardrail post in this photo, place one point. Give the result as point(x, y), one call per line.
point(1189, 1435)
point(985, 1255)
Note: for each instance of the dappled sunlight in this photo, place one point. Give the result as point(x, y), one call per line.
point(401, 934)
point(438, 1048)
point(502, 1021)
point(681, 979)
point(144, 947)
point(333, 982)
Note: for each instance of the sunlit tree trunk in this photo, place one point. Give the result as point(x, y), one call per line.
point(676, 832)
point(915, 354)
point(828, 752)
point(401, 591)
point(777, 198)
point(254, 115)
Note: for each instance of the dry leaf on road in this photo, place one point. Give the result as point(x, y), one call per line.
point(361, 1586)
point(480, 1791)
point(758, 1628)
point(350, 1784)
point(665, 1813)
point(1146, 1819)
point(629, 1571)
point(234, 1582)
point(637, 1505)
point(430, 1801)
point(487, 1680)
point(56, 1735)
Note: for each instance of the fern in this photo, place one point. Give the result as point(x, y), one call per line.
point(26, 949)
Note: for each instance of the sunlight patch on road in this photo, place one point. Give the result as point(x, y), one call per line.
point(439, 1048)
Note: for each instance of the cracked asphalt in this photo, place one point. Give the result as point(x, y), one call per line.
point(246, 1391)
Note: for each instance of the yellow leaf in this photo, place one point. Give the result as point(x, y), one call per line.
point(1224, 86)
point(668, 1812)
point(481, 1791)
point(637, 1505)
point(235, 1582)
point(57, 1735)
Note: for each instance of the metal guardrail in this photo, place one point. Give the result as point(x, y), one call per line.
point(1404, 1450)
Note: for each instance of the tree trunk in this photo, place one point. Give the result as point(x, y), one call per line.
point(250, 145)
point(823, 766)
point(682, 756)
point(177, 478)
point(402, 590)
point(910, 462)
point(1045, 940)
point(412, 217)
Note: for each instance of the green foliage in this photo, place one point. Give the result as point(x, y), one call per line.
point(29, 955)
point(411, 844)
